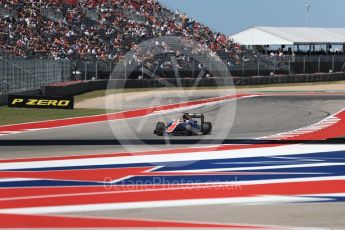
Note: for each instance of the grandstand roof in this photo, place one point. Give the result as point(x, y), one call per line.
point(290, 36)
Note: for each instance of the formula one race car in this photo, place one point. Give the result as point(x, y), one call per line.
point(188, 125)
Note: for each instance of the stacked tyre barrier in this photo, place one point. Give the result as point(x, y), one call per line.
point(87, 86)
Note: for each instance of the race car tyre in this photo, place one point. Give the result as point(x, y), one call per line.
point(160, 129)
point(207, 128)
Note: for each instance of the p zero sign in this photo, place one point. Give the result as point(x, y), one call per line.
point(21, 101)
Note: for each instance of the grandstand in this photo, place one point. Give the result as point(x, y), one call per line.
point(49, 41)
point(89, 29)
point(95, 35)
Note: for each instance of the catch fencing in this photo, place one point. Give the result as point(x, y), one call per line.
point(18, 75)
point(264, 65)
point(257, 65)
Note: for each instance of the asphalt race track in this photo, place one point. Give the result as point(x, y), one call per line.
point(249, 118)
point(252, 118)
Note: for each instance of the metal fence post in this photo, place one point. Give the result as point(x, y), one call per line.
point(319, 65)
point(125, 65)
point(304, 67)
point(226, 69)
point(85, 69)
point(69, 71)
point(142, 69)
point(289, 65)
point(193, 68)
point(210, 66)
point(275, 65)
point(259, 66)
point(242, 68)
point(96, 70)
point(333, 63)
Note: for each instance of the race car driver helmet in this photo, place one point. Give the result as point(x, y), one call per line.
point(186, 117)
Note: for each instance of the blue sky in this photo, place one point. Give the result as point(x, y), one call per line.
point(232, 16)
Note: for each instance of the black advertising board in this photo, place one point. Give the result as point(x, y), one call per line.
point(23, 101)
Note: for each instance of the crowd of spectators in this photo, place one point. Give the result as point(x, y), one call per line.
point(97, 29)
